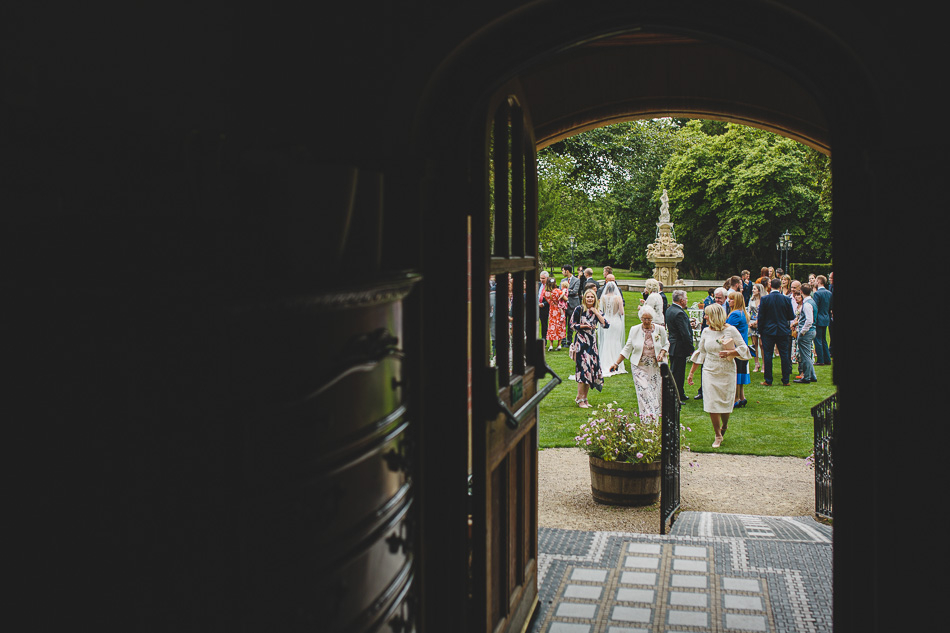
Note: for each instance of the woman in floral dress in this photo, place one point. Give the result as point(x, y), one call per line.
point(557, 329)
point(647, 346)
point(584, 323)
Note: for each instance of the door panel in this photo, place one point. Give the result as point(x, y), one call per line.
point(505, 392)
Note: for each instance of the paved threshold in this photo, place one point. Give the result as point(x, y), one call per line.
point(713, 572)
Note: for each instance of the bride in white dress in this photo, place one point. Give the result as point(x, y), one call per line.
point(611, 340)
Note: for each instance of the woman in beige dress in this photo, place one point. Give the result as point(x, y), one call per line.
point(719, 344)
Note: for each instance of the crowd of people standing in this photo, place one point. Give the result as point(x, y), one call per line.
point(744, 321)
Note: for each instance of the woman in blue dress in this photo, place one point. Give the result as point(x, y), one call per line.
point(739, 319)
point(584, 323)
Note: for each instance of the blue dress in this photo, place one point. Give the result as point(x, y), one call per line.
point(738, 321)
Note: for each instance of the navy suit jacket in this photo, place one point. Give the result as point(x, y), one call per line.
point(775, 311)
point(822, 297)
point(681, 334)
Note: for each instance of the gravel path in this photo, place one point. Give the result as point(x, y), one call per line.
point(737, 484)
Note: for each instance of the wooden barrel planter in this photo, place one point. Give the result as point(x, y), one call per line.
point(624, 484)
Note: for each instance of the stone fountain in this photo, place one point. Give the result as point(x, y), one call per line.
point(665, 253)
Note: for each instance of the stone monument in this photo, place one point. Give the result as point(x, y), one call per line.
point(664, 253)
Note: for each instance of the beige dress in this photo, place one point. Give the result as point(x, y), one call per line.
point(719, 374)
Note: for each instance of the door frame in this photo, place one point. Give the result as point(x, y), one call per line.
point(453, 103)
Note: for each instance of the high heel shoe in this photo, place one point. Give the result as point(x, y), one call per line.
point(717, 442)
point(743, 402)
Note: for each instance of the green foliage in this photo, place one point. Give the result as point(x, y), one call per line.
point(733, 190)
point(732, 194)
point(615, 435)
point(598, 187)
point(802, 270)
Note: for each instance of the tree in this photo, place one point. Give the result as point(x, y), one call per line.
point(598, 186)
point(733, 190)
point(733, 194)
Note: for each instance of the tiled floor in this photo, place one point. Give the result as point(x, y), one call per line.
point(714, 572)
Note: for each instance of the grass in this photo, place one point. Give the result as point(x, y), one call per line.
point(776, 421)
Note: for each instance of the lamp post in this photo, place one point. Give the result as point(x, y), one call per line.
point(783, 246)
point(571, 238)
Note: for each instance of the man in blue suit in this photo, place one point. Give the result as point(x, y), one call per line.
point(822, 298)
point(775, 313)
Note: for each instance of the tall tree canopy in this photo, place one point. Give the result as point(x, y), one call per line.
point(733, 190)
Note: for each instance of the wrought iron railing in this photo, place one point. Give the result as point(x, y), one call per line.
point(823, 459)
point(670, 456)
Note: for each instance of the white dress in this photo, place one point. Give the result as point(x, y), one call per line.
point(611, 340)
point(719, 374)
point(655, 301)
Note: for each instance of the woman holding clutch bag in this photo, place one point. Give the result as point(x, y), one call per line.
point(719, 344)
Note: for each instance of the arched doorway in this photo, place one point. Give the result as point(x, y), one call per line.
point(701, 63)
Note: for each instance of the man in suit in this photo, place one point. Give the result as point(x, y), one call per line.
point(775, 314)
point(746, 286)
point(608, 273)
point(681, 339)
point(822, 298)
point(543, 307)
point(587, 278)
point(573, 299)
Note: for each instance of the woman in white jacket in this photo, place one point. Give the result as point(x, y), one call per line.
point(647, 346)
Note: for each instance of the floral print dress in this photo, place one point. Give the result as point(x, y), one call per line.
point(587, 359)
point(647, 378)
point(557, 329)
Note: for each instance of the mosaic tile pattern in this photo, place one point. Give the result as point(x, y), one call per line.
point(713, 572)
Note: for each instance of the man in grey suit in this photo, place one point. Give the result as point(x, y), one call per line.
point(775, 314)
point(822, 299)
point(573, 299)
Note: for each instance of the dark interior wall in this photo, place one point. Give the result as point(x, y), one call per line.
point(158, 161)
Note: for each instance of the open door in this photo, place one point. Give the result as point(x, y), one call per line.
point(507, 363)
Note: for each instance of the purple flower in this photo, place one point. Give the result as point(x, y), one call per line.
point(639, 455)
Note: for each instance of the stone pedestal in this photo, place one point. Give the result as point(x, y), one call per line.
point(664, 253)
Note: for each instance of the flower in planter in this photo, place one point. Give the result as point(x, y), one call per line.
point(614, 435)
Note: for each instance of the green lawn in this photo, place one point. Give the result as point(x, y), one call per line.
point(776, 421)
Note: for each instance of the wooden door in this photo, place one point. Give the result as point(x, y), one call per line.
point(505, 392)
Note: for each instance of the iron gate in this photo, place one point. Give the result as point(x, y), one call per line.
point(670, 474)
point(824, 416)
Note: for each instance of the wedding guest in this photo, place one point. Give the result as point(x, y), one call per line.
point(652, 298)
point(584, 322)
point(747, 286)
point(806, 336)
point(822, 298)
point(647, 346)
point(719, 345)
point(680, 331)
point(572, 297)
point(775, 314)
point(757, 291)
point(739, 319)
point(544, 308)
